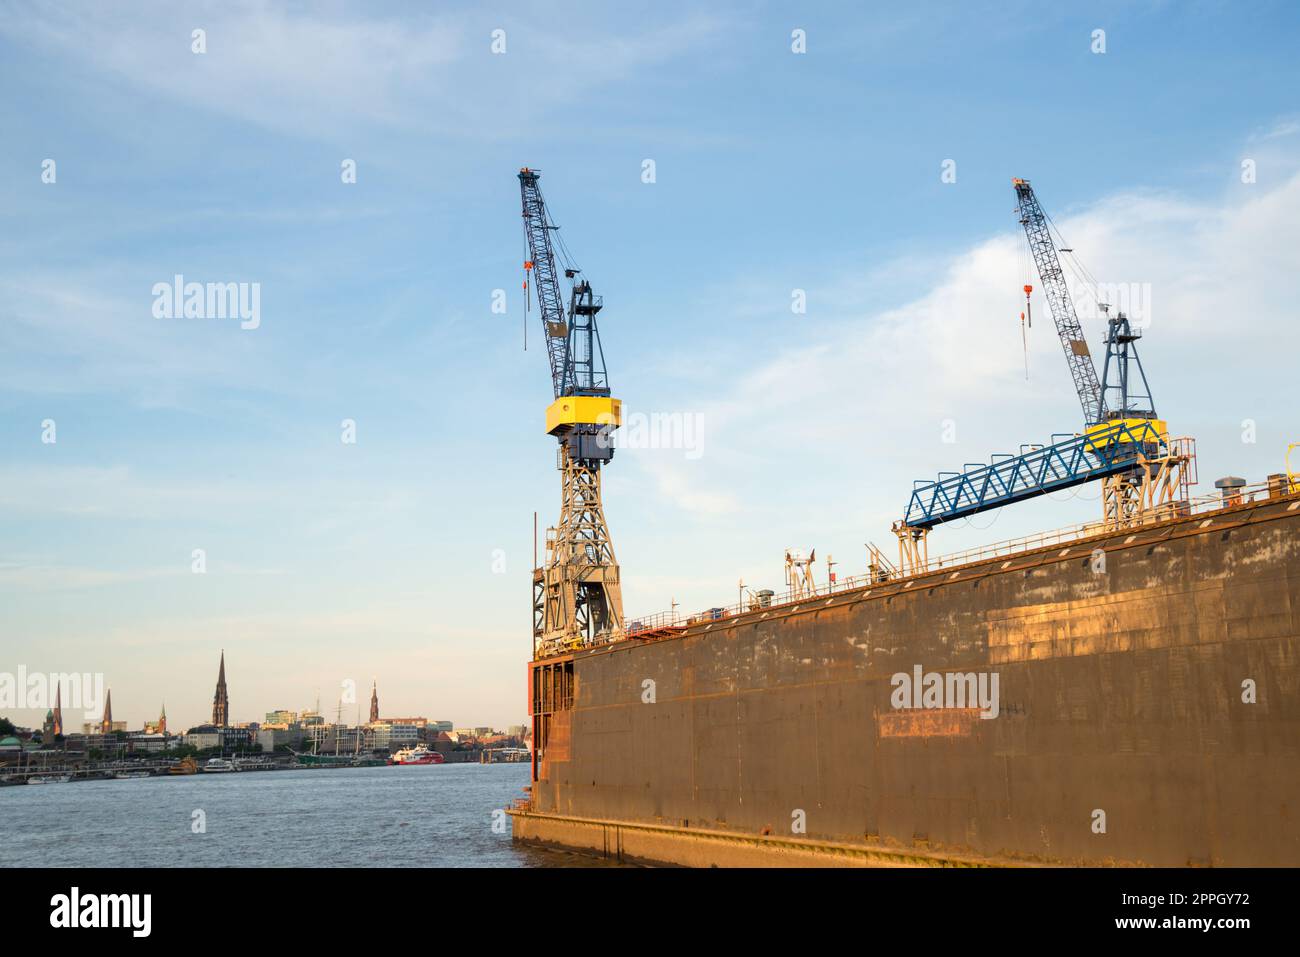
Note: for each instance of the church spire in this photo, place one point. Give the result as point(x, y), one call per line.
point(221, 700)
point(58, 708)
point(106, 724)
point(374, 702)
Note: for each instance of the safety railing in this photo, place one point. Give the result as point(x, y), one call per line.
point(645, 625)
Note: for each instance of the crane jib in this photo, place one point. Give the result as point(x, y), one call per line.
point(545, 283)
point(1057, 293)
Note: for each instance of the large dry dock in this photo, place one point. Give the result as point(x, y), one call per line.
point(1121, 692)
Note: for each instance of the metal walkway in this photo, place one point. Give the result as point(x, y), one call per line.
point(1071, 460)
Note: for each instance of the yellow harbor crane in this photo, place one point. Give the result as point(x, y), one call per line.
point(577, 599)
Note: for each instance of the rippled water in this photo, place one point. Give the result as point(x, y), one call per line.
point(415, 816)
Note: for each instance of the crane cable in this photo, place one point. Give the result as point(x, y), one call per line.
point(566, 257)
point(1080, 272)
point(524, 223)
point(1025, 267)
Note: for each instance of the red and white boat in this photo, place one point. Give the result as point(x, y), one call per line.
point(416, 755)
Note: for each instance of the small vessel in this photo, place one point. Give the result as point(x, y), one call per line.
point(49, 779)
point(218, 766)
point(416, 755)
point(186, 766)
point(130, 775)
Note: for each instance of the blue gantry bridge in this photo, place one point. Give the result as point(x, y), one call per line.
point(1103, 450)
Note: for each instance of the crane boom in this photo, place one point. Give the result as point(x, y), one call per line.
point(541, 262)
point(1059, 302)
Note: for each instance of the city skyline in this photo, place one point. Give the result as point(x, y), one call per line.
point(351, 708)
point(195, 487)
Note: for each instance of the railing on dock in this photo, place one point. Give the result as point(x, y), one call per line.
point(664, 624)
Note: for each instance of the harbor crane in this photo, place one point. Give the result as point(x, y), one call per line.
point(577, 599)
point(1123, 443)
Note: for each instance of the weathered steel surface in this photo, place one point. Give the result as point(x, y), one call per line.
point(705, 847)
point(1120, 691)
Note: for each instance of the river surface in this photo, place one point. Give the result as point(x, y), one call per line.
point(413, 816)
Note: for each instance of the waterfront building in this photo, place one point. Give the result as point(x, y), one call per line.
point(280, 718)
point(102, 729)
point(228, 739)
point(420, 723)
point(203, 737)
point(394, 734)
point(93, 739)
point(272, 738)
point(146, 741)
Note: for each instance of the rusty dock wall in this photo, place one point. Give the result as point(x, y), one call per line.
point(772, 734)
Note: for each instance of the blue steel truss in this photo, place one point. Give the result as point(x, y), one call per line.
point(1068, 461)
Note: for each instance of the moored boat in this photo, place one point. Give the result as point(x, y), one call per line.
point(416, 755)
point(49, 779)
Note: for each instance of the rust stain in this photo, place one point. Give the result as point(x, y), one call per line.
point(1134, 620)
point(928, 723)
point(559, 741)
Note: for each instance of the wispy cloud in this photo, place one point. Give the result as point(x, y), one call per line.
point(326, 70)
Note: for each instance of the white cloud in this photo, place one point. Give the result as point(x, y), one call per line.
point(821, 441)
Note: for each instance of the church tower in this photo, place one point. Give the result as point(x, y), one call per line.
point(220, 700)
point(106, 723)
point(58, 709)
point(374, 702)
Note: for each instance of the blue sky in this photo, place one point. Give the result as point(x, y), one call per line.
point(775, 171)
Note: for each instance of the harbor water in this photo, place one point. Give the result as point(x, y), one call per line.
point(449, 815)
